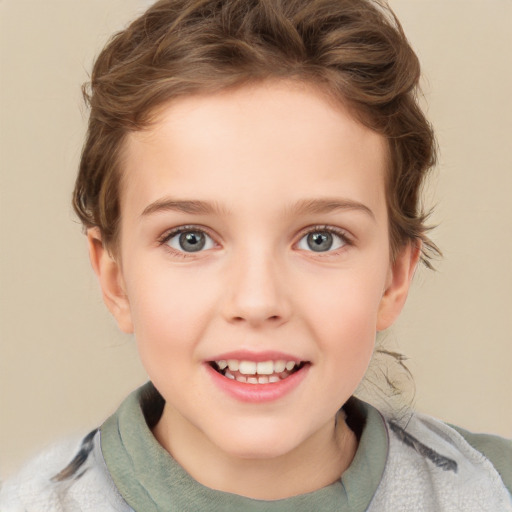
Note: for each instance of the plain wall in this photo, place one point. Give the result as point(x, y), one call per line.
point(63, 365)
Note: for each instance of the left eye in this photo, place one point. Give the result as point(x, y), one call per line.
point(190, 241)
point(321, 241)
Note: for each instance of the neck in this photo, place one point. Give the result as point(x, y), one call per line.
point(328, 453)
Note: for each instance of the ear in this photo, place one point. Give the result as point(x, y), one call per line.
point(111, 280)
point(399, 279)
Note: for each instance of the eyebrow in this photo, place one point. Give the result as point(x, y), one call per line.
point(186, 206)
point(319, 206)
point(302, 207)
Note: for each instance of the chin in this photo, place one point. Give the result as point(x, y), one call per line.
point(258, 444)
point(257, 452)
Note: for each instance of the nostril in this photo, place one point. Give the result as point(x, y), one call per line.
point(239, 319)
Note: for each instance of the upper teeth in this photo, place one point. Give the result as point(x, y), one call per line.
point(252, 367)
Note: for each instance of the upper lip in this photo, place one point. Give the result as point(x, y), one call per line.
point(267, 355)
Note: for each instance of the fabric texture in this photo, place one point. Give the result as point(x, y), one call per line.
point(497, 449)
point(85, 484)
point(431, 467)
point(419, 465)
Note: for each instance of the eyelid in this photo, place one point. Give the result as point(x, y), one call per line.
point(172, 232)
point(345, 236)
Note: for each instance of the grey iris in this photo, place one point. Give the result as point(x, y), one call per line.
point(319, 241)
point(192, 241)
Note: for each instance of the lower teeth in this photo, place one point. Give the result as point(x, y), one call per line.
point(263, 379)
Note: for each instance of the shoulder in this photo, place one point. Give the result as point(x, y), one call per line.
point(491, 448)
point(70, 475)
point(497, 449)
point(436, 462)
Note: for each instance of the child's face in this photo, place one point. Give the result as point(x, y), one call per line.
point(254, 228)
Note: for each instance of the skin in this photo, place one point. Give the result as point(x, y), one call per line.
point(257, 156)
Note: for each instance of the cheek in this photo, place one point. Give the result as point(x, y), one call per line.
point(343, 315)
point(169, 310)
point(344, 299)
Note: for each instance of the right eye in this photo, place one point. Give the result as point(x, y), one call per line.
point(323, 240)
point(189, 240)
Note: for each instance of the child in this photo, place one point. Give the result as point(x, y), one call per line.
point(250, 187)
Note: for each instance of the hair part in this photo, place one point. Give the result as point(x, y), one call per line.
point(354, 50)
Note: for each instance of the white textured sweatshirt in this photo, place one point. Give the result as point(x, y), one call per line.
point(424, 466)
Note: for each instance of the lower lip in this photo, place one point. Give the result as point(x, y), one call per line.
point(257, 393)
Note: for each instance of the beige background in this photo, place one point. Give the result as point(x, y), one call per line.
point(63, 365)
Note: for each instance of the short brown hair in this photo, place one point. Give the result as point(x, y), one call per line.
point(355, 50)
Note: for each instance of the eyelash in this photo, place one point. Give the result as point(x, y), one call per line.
point(168, 235)
point(341, 233)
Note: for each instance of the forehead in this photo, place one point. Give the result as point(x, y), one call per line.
point(272, 143)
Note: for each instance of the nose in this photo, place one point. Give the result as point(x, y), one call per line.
point(257, 292)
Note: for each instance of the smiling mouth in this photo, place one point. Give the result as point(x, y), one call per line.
point(251, 372)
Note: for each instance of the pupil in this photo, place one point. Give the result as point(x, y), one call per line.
point(192, 241)
point(319, 242)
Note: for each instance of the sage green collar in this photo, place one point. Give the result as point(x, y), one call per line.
point(150, 480)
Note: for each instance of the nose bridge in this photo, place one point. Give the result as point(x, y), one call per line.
point(257, 293)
